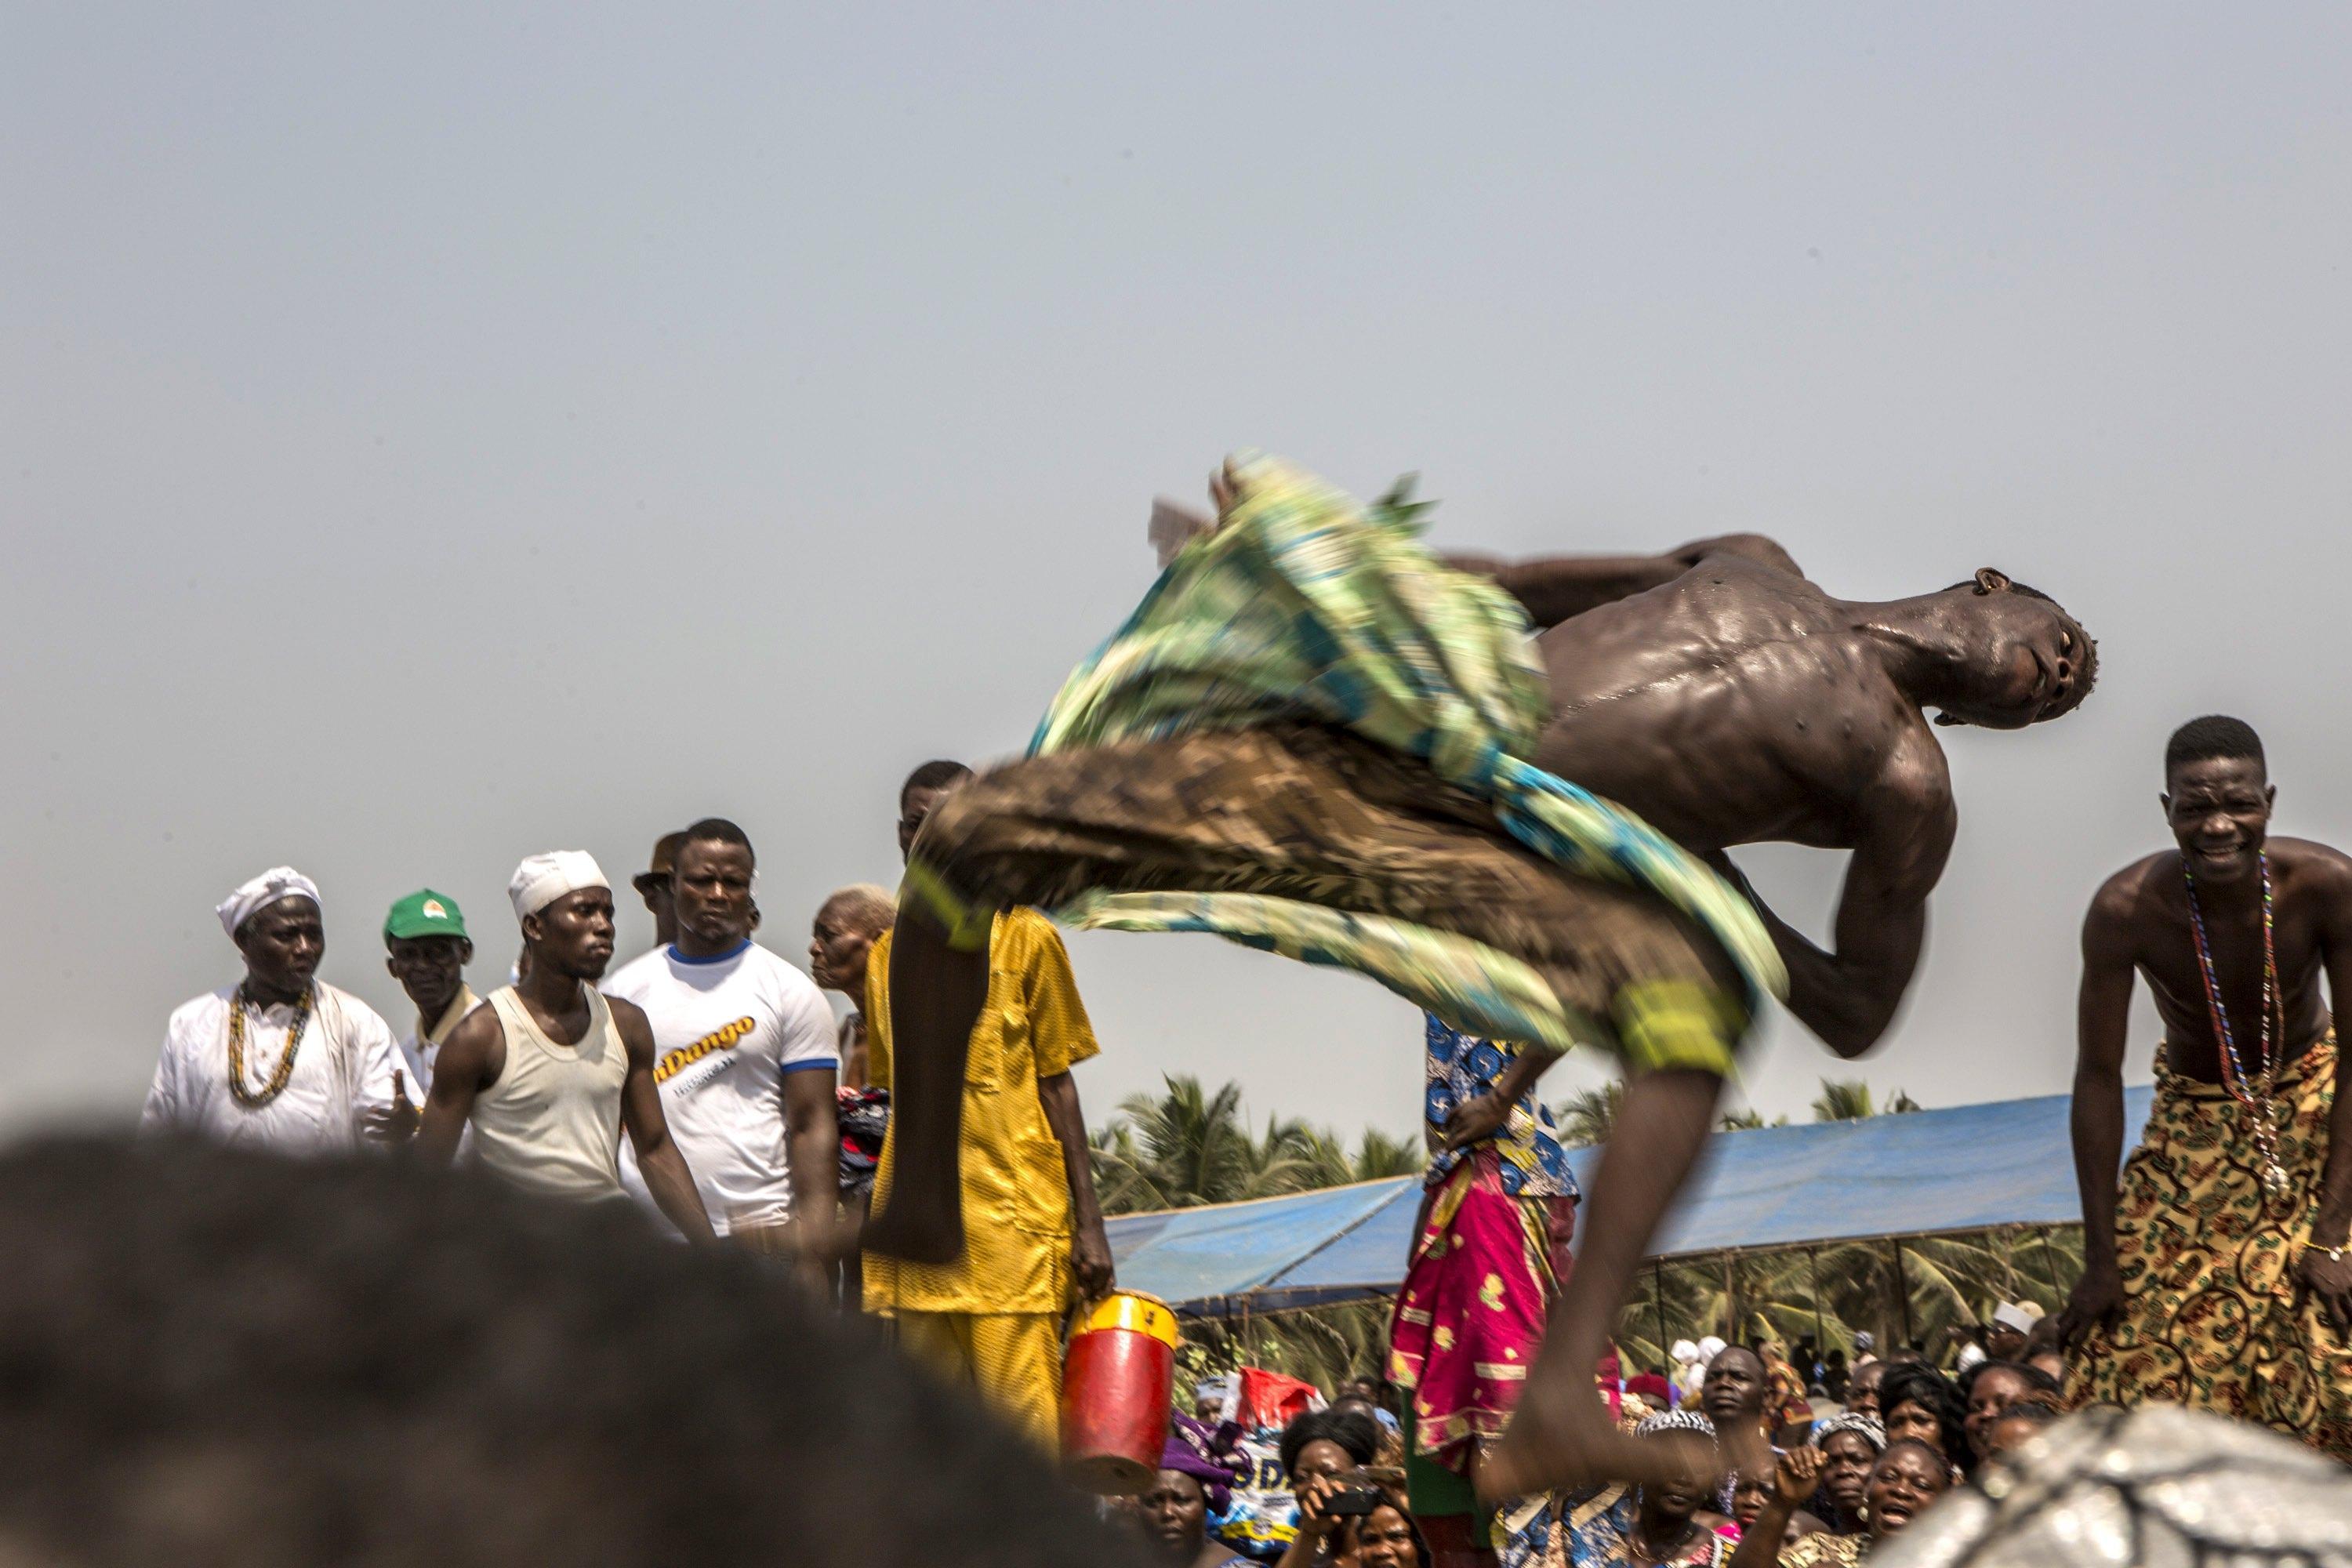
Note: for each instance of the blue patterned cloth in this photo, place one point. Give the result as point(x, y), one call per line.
point(1461, 1067)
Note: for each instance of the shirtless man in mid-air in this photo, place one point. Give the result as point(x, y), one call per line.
point(1715, 691)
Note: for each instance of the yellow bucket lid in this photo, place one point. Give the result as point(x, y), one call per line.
point(1133, 1311)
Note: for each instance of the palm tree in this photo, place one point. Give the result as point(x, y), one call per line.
point(1838, 1287)
point(1747, 1120)
point(1187, 1147)
point(1379, 1155)
point(1586, 1121)
point(1849, 1101)
point(1177, 1150)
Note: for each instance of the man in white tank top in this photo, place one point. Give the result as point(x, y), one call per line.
point(550, 1072)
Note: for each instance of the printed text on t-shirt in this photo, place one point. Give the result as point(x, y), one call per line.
point(721, 1040)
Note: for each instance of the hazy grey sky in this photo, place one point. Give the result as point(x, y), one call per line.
point(437, 433)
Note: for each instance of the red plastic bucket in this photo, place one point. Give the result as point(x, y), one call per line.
point(1117, 1384)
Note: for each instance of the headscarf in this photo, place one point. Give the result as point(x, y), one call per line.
point(1708, 1349)
point(1674, 1421)
point(542, 879)
point(1860, 1423)
point(252, 897)
point(1215, 1480)
point(1198, 1444)
point(1685, 1352)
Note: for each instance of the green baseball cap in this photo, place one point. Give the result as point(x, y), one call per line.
point(424, 913)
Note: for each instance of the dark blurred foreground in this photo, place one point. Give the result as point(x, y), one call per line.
point(209, 1357)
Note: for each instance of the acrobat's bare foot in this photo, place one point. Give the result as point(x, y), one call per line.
point(1564, 1438)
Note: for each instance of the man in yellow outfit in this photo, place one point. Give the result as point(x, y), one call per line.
point(1034, 1231)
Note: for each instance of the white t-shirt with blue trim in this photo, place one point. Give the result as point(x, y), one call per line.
point(726, 1031)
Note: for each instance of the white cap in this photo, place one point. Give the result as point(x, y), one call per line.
point(2013, 1315)
point(542, 879)
point(278, 882)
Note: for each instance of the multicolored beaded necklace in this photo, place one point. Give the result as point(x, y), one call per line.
point(2257, 1103)
point(253, 1099)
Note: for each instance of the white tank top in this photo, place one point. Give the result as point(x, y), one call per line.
point(552, 1124)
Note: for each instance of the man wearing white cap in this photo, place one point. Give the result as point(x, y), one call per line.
point(548, 1072)
point(279, 1060)
point(2005, 1335)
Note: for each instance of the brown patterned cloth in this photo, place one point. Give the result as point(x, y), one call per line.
point(1321, 817)
point(2210, 1317)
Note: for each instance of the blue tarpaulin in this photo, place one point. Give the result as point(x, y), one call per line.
point(1972, 1167)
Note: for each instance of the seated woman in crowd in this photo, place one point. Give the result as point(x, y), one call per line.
point(1323, 1452)
point(1849, 1444)
point(1750, 1491)
point(2015, 1428)
point(1622, 1527)
point(1385, 1538)
point(1908, 1478)
point(1918, 1402)
point(1174, 1510)
point(1992, 1387)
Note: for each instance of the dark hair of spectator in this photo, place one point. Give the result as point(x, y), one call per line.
point(1916, 1382)
point(937, 773)
point(217, 1356)
point(2214, 735)
point(2036, 1380)
point(717, 830)
point(1351, 1429)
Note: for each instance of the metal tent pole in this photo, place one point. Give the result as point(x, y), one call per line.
point(2050, 1269)
point(1903, 1290)
point(1813, 1261)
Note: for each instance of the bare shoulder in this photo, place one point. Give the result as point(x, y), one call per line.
point(2307, 869)
point(477, 1045)
point(1911, 786)
point(629, 1018)
point(1760, 549)
point(2123, 902)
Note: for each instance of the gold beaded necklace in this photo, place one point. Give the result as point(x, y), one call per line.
point(251, 1098)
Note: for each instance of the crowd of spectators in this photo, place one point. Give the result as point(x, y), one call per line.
point(1859, 1445)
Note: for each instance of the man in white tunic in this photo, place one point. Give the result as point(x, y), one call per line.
point(744, 1054)
point(280, 1060)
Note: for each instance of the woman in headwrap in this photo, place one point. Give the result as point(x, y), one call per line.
point(1175, 1510)
point(1631, 1527)
point(1850, 1443)
point(1907, 1478)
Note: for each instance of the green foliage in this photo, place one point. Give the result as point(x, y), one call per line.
point(1186, 1147)
point(1836, 1289)
point(1323, 1345)
point(1850, 1101)
point(1586, 1121)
